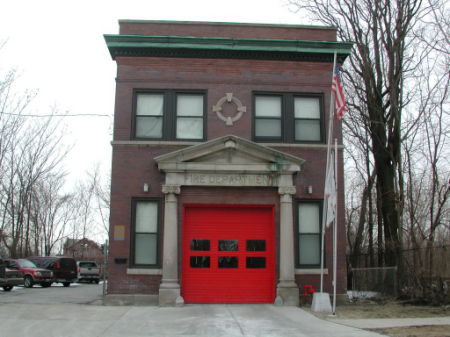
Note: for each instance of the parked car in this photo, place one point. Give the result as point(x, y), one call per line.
point(64, 268)
point(88, 271)
point(2, 272)
point(31, 274)
point(13, 278)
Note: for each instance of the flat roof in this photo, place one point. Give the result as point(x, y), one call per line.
point(229, 24)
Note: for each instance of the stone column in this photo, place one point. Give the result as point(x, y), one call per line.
point(287, 290)
point(169, 290)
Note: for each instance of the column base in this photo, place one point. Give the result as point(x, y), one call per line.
point(290, 296)
point(169, 294)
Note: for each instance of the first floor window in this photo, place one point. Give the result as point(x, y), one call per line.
point(309, 233)
point(145, 233)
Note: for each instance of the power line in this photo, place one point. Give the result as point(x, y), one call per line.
point(76, 115)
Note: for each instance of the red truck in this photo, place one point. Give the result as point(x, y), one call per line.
point(31, 274)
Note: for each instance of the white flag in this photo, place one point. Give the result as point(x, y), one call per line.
point(330, 191)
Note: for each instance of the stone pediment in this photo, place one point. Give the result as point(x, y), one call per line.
point(229, 154)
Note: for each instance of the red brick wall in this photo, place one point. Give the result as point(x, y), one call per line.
point(134, 166)
point(217, 77)
point(234, 30)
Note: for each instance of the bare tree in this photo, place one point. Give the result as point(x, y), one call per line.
point(50, 214)
point(31, 160)
point(31, 154)
point(91, 207)
point(102, 192)
point(376, 72)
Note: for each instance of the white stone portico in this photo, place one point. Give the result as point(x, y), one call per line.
point(233, 162)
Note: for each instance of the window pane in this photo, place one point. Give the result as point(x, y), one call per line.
point(256, 262)
point(228, 245)
point(268, 128)
point(145, 249)
point(306, 107)
point(309, 218)
point(200, 245)
point(190, 105)
point(268, 106)
point(146, 217)
point(48, 264)
point(308, 130)
point(189, 128)
point(149, 127)
point(200, 261)
point(309, 249)
point(256, 245)
point(228, 262)
point(150, 105)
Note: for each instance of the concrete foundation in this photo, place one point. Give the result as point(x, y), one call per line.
point(321, 303)
point(131, 300)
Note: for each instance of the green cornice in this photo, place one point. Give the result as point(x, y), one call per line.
point(217, 47)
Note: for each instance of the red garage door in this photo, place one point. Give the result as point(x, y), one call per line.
point(228, 254)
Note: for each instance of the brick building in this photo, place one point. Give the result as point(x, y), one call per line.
point(219, 156)
point(83, 250)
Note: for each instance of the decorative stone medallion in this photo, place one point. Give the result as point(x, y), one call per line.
point(229, 98)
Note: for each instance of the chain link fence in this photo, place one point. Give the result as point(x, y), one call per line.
point(373, 282)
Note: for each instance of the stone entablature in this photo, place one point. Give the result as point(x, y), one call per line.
point(227, 179)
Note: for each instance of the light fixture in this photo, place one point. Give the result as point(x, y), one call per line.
point(145, 187)
point(310, 190)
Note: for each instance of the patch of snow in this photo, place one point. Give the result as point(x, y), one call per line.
point(354, 295)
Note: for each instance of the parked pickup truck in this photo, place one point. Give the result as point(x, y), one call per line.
point(88, 271)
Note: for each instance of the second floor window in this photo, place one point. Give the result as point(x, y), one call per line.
point(169, 115)
point(288, 117)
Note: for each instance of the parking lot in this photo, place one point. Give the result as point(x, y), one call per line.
point(77, 293)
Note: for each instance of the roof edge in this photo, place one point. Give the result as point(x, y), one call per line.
point(130, 45)
point(217, 23)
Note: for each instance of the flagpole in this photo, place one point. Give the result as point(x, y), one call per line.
point(324, 212)
point(335, 229)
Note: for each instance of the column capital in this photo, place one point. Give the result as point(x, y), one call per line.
point(171, 189)
point(287, 190)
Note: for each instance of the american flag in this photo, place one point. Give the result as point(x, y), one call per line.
point(336, 87)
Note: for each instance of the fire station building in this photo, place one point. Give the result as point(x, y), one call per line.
point(219, 160)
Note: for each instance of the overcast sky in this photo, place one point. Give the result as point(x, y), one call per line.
point(58, 47)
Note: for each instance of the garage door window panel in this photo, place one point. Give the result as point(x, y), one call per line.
point(228, 245)
point(256, 245)
point(200, 261)
point(256, 262)
point(228, 262)
point(200, 245)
